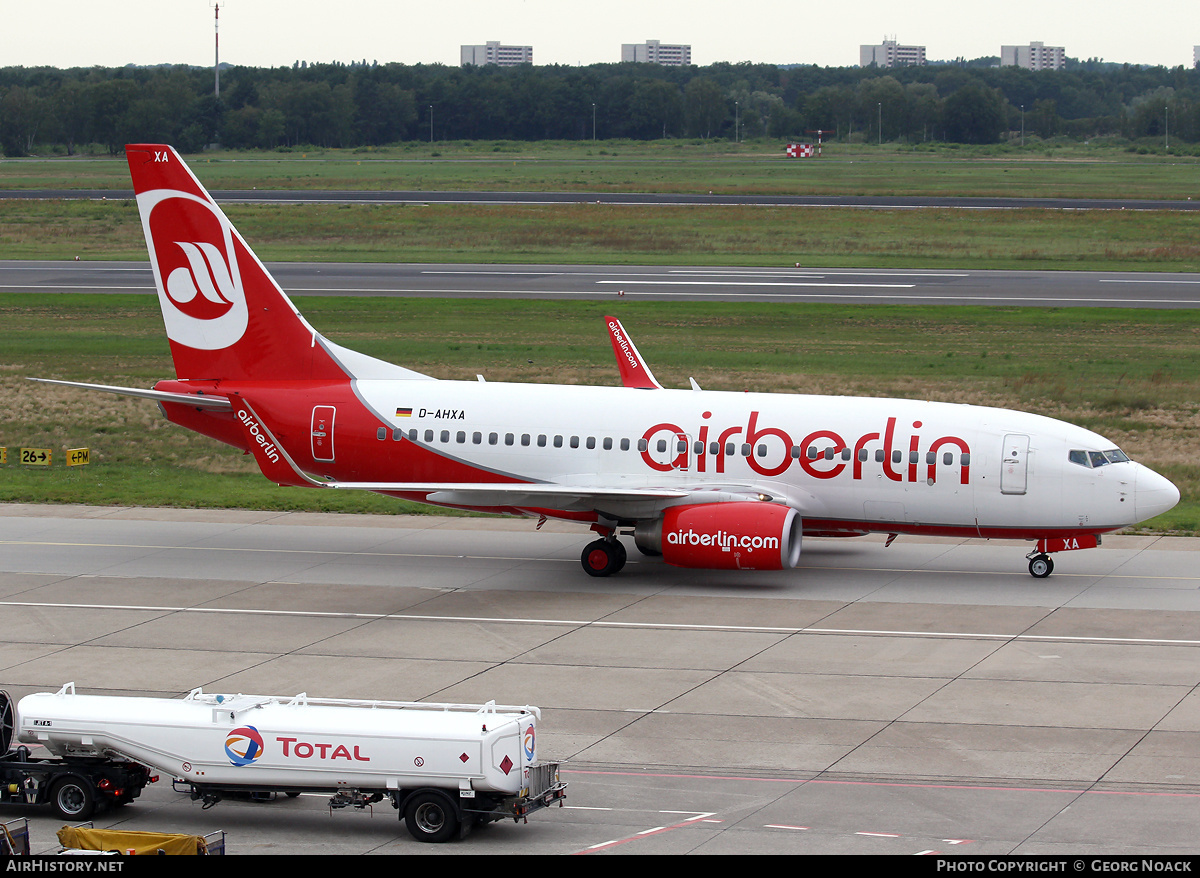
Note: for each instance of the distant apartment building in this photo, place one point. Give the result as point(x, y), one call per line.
point(654, 52)
point(1035, 56)
point(494, 53)
point(890, 53)
point(1195, 55)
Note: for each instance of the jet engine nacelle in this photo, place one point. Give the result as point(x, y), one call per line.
point(725, 536)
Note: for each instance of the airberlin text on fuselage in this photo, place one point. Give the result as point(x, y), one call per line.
point(268, 447)
point(780, 455)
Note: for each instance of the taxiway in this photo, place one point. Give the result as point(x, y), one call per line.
point(925, 697)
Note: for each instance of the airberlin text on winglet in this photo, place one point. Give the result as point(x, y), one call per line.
point(615, 329)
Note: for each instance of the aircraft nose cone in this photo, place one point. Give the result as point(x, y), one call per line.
point(1153, 494)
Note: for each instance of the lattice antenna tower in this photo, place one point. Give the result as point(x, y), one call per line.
point(217, 48)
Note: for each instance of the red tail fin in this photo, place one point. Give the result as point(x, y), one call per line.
point(225, 315)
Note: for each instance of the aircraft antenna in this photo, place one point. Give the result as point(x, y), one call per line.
point(217, 48)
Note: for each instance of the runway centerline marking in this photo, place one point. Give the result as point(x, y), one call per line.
point(603, 623)
point(734, 282)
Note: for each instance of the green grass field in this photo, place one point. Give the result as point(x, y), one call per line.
point(726, 235)
point(759, 167)
point(615, 234)
point(1133, 376)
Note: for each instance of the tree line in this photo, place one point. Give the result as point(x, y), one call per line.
point(339, 105)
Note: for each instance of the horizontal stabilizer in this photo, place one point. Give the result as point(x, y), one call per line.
point(197, 400)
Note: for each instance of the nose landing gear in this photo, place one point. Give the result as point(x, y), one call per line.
point(1041, 565)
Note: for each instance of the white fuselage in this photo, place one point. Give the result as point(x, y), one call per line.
point(868, 464)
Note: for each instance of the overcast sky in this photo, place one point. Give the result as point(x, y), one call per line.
point(272, 33)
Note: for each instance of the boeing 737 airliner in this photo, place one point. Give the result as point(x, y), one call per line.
point(705, 479)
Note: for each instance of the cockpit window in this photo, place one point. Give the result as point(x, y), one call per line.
point(1092, 459)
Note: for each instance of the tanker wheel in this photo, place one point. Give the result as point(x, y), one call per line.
point(431, 817)
point(72, 798)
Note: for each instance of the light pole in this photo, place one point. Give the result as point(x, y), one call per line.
point(1166, 130)
point(881, 123)
point(1022, 125)
point(736, 117)
point(431, 123)
point(593, 123)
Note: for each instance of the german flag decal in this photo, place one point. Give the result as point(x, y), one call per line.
point(404, 413)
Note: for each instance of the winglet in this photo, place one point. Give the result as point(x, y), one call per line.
point(634, 371)
point(275, 463)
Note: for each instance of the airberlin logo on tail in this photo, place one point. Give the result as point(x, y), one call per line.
point(193, 250)
point(203, 288)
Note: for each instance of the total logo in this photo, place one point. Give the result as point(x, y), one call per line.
point(529, 742)
point(294, 747)
point(243, 746)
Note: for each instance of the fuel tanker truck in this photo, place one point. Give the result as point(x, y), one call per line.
point(444, 767)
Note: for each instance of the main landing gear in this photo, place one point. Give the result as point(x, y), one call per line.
point(603, 557)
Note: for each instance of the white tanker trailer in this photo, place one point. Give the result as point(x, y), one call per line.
point(443, 766)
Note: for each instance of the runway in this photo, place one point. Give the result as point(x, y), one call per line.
point(927, 697)
point(1057, 289)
